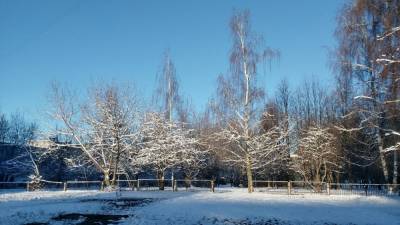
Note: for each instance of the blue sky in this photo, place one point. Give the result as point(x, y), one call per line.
point(84, 41)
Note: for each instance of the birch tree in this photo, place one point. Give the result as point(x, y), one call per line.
point(167, 92)
point(368, 51)
point(240, 97)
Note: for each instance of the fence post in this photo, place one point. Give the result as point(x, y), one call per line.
point(65, 186)
point(173, 184)
point(212, 186)
point(289, 187)
point(176, 185)
point(329, 188)
point(102, 186)
point(138, 185)
point(27, 186)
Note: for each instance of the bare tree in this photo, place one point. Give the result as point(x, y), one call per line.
point(317, 157)
point(167, 92)
point(275, 123)
point(282, 100)
point(240, 98)
point(4, 128)
point(166, 145)
point(368, 54)
point(21, 136)
point(104, 126)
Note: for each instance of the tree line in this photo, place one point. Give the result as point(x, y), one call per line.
point(310, 132)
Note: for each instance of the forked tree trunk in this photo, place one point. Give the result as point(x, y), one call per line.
point(115, 172)
point(317, 183)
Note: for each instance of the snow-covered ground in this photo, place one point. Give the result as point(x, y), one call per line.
point(230, 207)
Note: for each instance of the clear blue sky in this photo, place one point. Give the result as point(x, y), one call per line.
point(80, 41)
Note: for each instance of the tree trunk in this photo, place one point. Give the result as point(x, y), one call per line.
point(395, 167)
point(382, 157)
point(317, 182)
point(114, 179)
point(337, 178)
point(249, 174)
point(106, 178)
point(116, 159)
point(188, 182)
point(161, 183)
point(114, 176)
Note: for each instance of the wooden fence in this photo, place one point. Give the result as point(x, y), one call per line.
point(121, 185)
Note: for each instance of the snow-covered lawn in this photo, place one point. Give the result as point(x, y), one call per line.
point(231, 207)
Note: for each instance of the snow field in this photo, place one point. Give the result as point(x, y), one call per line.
point(230, 207)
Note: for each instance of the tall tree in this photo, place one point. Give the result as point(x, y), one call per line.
point(4, 128)
point(368, 53)
point(167, 92)
point(240, 96)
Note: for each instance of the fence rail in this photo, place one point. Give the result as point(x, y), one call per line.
point(265, 186)
point(367, 189)
point(122, 185)
point(323, 188)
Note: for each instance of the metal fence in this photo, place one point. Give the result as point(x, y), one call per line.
point(13, 185)
point(265, 186)
point(83, 185)
point(365, 189)
point(154, 184)
point(277, 187)
point(43, 185)
point(127, 184)
point(194, 185)
point(174, 185)
point(301, 187)
point(323, 188)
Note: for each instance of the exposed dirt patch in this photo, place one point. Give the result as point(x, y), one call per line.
point(36, 223)
point(123, 202)
point(99, 218)
point(272, 221)
point(89, 219)
point(246, 221)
